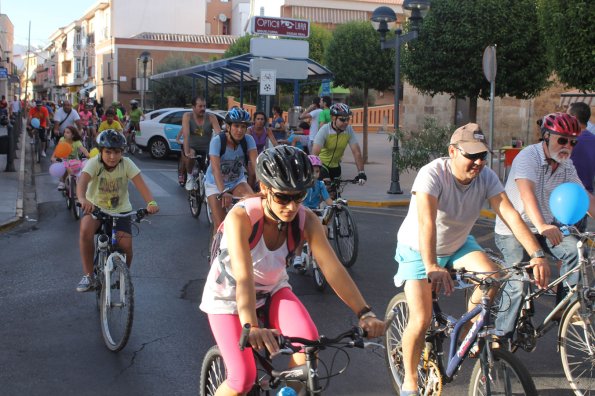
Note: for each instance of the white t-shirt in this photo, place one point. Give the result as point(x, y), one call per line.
point(459, 205)
point(314, 123)
point(270, 275)
point(70, 118)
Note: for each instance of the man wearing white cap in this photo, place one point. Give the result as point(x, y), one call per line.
point(446, 199)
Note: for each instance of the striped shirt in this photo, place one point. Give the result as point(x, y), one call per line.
point(531, 164)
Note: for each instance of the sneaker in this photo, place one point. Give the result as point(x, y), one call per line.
point(61, 186)
point(181, 179)
point(43, 154)
point(86, 284)
point(32, 141)
point(298, 263)
point(190, 185)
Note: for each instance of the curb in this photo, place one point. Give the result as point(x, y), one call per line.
point(489, 214)
point(21, 188)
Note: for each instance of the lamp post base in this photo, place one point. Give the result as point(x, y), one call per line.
point(395, 188)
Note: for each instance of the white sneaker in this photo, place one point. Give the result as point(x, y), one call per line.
point(86, 284)
point(298, 262)
point(190, 184)
point(43, 154)
point(61, 186)
point(32, 141)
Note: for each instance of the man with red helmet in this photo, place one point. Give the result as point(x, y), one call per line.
point(536, 171)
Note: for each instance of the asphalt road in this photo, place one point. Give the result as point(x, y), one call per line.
point(51, 340)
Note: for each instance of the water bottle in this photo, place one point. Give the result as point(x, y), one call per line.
point(286, 391)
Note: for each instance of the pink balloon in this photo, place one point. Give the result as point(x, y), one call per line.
point(57, 169)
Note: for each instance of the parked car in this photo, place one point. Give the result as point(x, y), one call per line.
point(159, 130)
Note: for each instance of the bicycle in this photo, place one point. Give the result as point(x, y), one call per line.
point(36, 143)
point(131, 146)
point(343, 230)
point(69, 192)
point(497, 371)
point(196, 196)
point(114, 291)
point(213, 371)
point(576, 332)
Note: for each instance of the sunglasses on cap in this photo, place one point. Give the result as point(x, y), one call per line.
point(343, 119)
point(474, 157)
point(563, 141)
point(285, 199)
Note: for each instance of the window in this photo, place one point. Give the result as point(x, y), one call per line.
point(174, 118)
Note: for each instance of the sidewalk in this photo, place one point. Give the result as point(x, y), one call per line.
point(12, 186)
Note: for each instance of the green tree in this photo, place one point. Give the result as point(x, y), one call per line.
point(240, 47)
point(319, 40)
point(356, 59)
point(447, 56)
point(175, 91)
point(569, 40)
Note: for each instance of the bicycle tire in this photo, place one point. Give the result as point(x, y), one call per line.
point(574, 334)
point(37, 150)
point(396, 318)
point(193, 201)
point(72, 198)
point(212, 372)
point(66, 193)
point(504, 366)
point(319, 279)
point(346, 237)
point(98, 262)
point(116, 319)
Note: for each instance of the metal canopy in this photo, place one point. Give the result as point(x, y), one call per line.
point(236, 70)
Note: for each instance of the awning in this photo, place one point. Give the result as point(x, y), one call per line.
point(570, 97)
point(237, 69)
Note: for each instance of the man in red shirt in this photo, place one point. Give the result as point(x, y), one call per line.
point(41, 113)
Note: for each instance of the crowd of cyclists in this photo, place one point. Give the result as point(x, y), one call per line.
point(277, 183)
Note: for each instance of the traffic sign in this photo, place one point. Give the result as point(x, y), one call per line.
point(279, 48)
point(280, 26)
point(268, 82)
point(3, 72)
point(489, 63)
point(326, 87)
point(289, 69)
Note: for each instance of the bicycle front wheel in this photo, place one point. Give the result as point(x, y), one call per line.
point(195, 203)
point(577, 348)
point(117, 306)
point(346, 238)
point(212, 373)
point(505, 375)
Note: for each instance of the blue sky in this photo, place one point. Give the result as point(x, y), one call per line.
point(46, 17)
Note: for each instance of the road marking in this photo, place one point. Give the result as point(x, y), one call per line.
point(378, 212)
point(155, 188)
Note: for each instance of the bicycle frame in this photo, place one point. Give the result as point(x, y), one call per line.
point(456, 356)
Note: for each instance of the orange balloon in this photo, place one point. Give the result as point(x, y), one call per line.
point(62, 150)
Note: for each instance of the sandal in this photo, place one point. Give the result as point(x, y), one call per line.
point(408, 392)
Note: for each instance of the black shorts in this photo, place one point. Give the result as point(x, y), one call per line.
point(123, 224)
point(329, 173)
point(43, 136)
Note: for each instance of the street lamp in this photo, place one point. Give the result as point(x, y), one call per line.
point(381, 18)
point(145, 59)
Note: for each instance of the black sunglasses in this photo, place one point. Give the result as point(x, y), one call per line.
point(474, 157)
point(343, 119)
point(285, 199)
point(562, 141)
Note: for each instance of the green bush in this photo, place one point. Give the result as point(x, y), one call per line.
point(417, 148)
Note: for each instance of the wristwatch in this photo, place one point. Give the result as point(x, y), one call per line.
point(538, 254)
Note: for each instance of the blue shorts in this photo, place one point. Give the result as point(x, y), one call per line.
point(411, 265)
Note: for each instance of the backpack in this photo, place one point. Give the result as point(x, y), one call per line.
point(253, 206)
point(243, 144)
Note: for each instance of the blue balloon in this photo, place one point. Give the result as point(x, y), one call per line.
point(569, 203)
point(35, 123)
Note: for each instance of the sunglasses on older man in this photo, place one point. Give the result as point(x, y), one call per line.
point(285, 199)
point(474, 157)
point(562, 141)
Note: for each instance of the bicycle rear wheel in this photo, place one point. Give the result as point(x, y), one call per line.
point(212, 373)
point(117, 306)
point(506, 374)
point(67, 193)
point(577, 343)
point(346, 238)
point(76, 210)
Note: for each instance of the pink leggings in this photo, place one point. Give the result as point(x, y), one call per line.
point(286, 313)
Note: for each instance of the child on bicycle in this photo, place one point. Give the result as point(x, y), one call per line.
point(252, 276)
point(72, 137)
point(104, 184)
point(316, 194)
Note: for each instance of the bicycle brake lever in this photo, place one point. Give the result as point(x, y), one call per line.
point(282, 351)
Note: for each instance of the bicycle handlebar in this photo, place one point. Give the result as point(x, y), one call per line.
point(139, 214)
point(356, 334)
